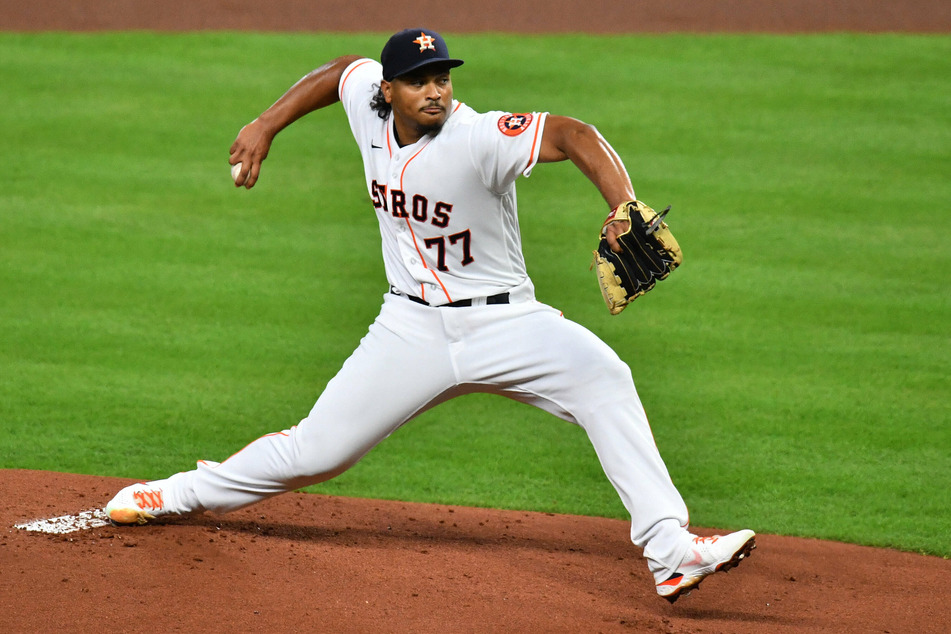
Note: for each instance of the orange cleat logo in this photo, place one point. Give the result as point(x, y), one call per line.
point(425, 42)
point(149, 499)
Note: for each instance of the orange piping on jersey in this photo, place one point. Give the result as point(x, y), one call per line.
point(413, 233)
point(445, 291)
point(344, 81)
point(422, 287)
point(389, 144)
point(411, 160)
point(438, 281)
point(531, 157)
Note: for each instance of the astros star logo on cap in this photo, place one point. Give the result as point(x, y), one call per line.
point(424, 41)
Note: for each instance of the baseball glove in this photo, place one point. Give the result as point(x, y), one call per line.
point(650, 253)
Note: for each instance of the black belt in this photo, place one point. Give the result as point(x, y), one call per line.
point(501, 298)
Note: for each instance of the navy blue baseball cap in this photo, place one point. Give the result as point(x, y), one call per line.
point(414, 48)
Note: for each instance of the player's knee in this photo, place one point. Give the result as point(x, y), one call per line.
point(317, 459)
point(611, 376)
point(322, 467)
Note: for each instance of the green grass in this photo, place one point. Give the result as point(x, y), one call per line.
point(795, 369)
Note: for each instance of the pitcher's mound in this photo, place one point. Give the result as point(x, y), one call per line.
point(312, 563)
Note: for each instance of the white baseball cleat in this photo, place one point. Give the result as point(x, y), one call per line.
point(136, 504)
point(706, 556)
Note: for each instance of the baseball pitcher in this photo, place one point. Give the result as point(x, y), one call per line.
point(459, 314)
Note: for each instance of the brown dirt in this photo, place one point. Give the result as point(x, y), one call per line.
point(303, 563)
point(526, 16)
point(307, 563)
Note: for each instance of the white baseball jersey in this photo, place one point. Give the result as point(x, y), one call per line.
point(446, 204)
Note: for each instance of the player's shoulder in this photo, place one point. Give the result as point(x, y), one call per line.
point(365, 65)
point(361, 73)
point(498, 123)
point(501, 121)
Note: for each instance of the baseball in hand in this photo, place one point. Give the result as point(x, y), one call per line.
point(235, 171)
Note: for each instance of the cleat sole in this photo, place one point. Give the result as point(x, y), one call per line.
point(129, 517)
point(742, 553)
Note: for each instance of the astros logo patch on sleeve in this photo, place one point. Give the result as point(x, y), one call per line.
point(515, 124)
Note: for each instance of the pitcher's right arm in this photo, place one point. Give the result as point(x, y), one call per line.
point(317, 89)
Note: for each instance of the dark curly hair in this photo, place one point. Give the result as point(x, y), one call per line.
point(378, 103)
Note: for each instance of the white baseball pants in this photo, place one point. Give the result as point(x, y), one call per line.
point(415, 357)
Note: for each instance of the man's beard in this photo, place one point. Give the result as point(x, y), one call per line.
point(431, 130)
point(434, 128)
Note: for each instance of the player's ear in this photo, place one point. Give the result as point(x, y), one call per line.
point(387, 89)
